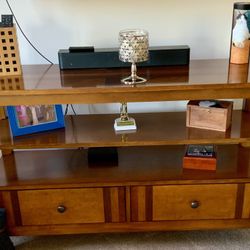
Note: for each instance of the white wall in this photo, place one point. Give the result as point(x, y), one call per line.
point(55, 24)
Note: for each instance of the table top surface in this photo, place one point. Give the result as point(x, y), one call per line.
point(48, 77)
point(202, 79)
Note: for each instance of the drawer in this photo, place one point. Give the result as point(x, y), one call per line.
point(61, 206)
point(191, 202)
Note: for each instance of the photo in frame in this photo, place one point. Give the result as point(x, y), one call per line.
point(28, 119)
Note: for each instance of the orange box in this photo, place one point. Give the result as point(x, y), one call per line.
point(213, 118)
point(199, 163)
point(200, 157)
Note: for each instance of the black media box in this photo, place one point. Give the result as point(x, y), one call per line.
point(109, 58)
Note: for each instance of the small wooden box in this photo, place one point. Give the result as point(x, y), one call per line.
point(200, 162)
point(213, 118)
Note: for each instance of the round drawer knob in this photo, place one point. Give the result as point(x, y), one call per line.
point(61, 209)
point(194, 204)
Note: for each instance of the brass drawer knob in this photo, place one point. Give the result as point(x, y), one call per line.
point(194, 204)
point(61, 209)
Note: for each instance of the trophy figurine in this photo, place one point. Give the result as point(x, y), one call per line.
point(124, 122)
point(133, 49)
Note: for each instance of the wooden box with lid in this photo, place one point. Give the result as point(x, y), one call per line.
point(217, 117)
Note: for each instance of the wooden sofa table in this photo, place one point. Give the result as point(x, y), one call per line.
point(47, 185)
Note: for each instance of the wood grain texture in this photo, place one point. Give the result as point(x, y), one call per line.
point(43, 180)
point(237, 73)
point(153, 129)
point(128, 203)
point(246, 105)
point(204, 79)
point(213, 118)
point(240, 55)
point(10, 60)
point(2, 113)
point(39, 207)
point(122, 204)
point(131, 227)
point(199, 163)
point(114, 204)
point(141, 203)
point(11, 83)
point(240, 201)
point(16, 208)
point(107, 204)
point(246, 204)
point(158, 165)
point(174, 202)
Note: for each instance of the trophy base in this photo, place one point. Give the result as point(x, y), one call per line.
point(131, 81)
point(120, 125)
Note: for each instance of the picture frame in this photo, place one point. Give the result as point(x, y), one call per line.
point(29, 119)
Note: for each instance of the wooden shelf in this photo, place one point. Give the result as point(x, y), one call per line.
point(203, 79)
point(153, 129)
point(157, 165)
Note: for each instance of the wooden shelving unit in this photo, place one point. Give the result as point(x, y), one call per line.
point(48, 186)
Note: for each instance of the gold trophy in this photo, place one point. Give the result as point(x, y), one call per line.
point(124, 122)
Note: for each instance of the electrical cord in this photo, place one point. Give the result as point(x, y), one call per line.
point(17, 23)
point(67, 109)
point(72, 107)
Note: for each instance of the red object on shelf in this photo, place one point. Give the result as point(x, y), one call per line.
point(199, 163)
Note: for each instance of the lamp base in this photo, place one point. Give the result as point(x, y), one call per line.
point(132, 81)
point(121, 125)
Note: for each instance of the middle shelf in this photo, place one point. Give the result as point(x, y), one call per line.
point(153, 129)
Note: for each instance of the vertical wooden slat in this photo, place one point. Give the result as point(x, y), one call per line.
point(10, 166)
point(239, 201)
point(2, 113)
point(141, 204)
point(114, 205)
point(107, 204)
point(134, 204)
point(149, 203)
point(16, 208)
point(246, 203)
point(122, 204)
point(128, 204)
point(246, 105)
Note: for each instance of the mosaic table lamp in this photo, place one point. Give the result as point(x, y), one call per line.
point(133, 49)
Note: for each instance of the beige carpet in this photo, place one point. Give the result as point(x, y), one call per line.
point(235, 239)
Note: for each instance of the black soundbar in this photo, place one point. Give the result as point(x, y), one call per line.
point(109, 58)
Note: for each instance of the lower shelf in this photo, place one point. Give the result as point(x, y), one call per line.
point(136, 165)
